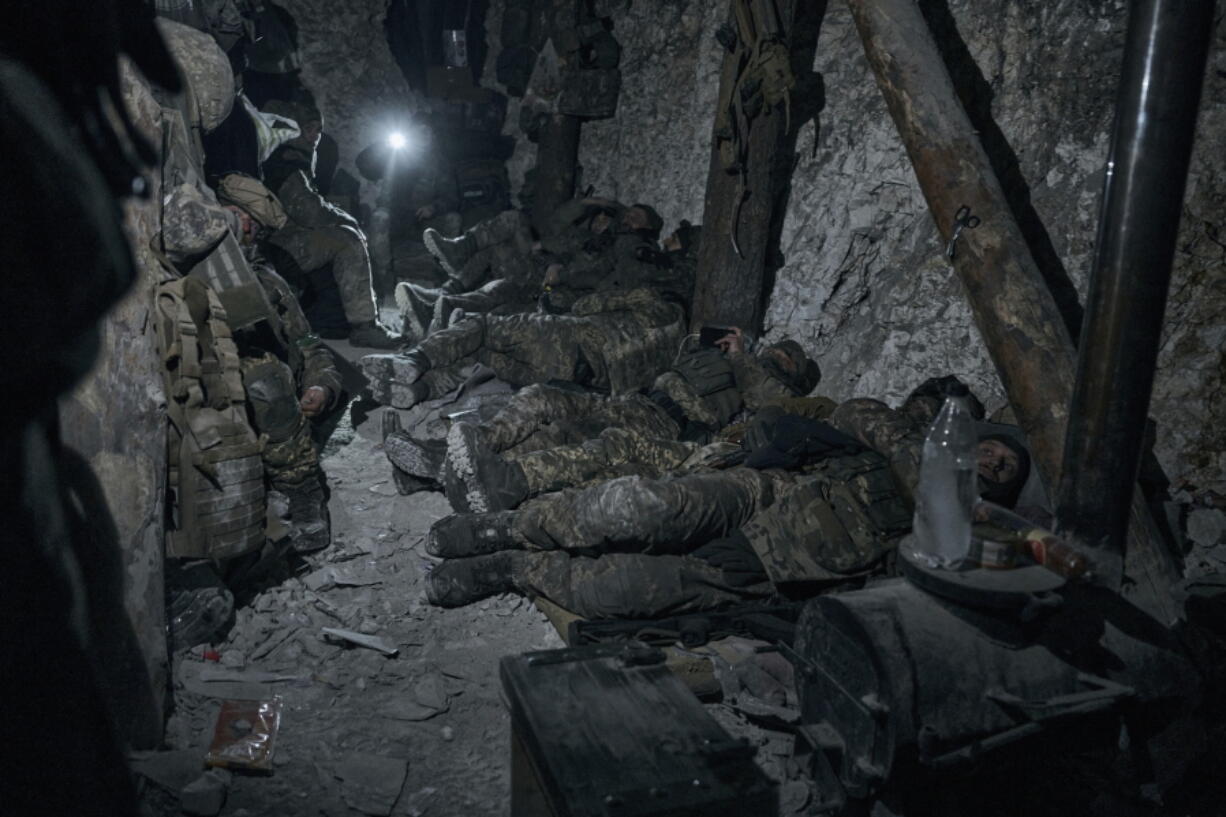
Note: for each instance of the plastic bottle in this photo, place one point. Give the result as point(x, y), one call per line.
point(947, 489)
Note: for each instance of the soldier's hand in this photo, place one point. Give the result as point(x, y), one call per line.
point(314, 399)
point(734, 341)
point(426, 212)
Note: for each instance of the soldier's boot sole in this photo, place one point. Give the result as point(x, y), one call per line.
point(458, 471)
point(406, 484)
point(451, 254)
point(419, 458)
point(457, 582)
point(463, 535)
point(388, 380)
point(480, 479)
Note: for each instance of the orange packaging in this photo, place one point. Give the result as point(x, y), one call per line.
point(246, 735)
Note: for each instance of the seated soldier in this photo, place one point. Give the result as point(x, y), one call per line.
point(635, 547)
point(615, 341)
point(651, 432)
point(318, 236)
point(290, 379)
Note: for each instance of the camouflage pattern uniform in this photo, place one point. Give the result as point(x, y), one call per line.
point(897, 433)
point(834, 521)
point(502, 242)
point(612, 341)
point(319, 234)
point(632, 433)
point(279, 360)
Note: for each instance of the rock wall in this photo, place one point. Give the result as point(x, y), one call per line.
point(864, 281)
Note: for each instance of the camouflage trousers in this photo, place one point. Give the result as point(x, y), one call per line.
point(896, 434)
point(521, 349)
point(539, 405)
point(668, 515)
point(627, 585)
point(500, 296)
point(504, 250)
point(614, 452)
point(289, 454)
point(342, 247)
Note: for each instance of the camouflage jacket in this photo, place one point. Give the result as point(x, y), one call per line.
point(837, 520)
point(307, 207)
point(307, 356)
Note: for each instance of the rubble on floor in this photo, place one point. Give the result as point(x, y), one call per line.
point(399, 715)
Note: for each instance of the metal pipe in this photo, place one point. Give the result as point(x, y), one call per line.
point(1164, 65)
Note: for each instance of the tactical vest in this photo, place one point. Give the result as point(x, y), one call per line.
point(836, 522)
point(216, 479)
point(226, 272)
point(710, 375)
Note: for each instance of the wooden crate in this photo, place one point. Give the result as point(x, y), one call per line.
point(609, 730)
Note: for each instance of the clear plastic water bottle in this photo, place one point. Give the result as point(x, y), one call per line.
point(947, 487)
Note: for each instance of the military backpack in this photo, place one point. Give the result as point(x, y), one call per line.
point(216, 481)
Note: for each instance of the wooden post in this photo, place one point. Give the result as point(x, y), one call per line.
point(729, 289)
point(1014, 310)
point(557, 155)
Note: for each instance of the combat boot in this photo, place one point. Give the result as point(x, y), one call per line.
point(451, 253)
point(395, 380)
point(471, 534)
point(457, 582)
point(419, 458)
point(475, 478)
point(309, 526)
point(415, 312)
point(374, 335)
point(406, 483)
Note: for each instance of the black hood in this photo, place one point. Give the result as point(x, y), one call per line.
point(1006, 493)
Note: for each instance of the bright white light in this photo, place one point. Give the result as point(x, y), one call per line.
point(396, 140)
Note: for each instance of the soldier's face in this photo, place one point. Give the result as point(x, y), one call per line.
point(997, 461)
point(311, 132)
point(600, 222)
point(635, 219)
point(247, 226)
point(672, 243)
point(783, 359)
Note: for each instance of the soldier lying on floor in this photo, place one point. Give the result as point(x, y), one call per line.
point(636, 547)
point(592, 436)
point(506, 272)
point(615, 341)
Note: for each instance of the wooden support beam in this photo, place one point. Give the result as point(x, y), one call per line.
point(1013, 309)
point(730, 288)
point(557, 156)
